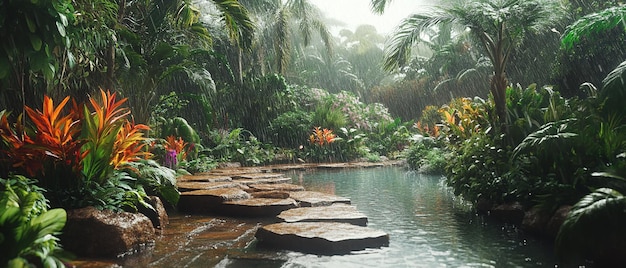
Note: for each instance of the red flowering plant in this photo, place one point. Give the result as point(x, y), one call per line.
point(320, 141)
point(76, 153)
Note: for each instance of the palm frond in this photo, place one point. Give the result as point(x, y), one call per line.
point(398, 49)
point(378, 6)
point(238, 22)
point(594, 23)
point(593, 225)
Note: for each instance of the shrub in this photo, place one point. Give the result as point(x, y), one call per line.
point(28, 230)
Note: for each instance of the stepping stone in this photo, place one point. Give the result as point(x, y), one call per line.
point(204, 178)
point(249, 182)
point(270, 194)
point(335, 213)
point(255, 176)
point(235, 171)
point(368, 164)
point(316, 199)
point(336, 165)
point(190, 186)
point(258, 207)
point(205, 201)
point(321, 237)
point(286, 187)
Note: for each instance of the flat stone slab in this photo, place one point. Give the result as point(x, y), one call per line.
point(206, 201)
point(196, 185)
point(335, 213)
point(254, 176)
point(249, 182)
point(235, 171)
point(321, 237)
point(204, 178)
point(286, 187)
point(316, 199)
point(258, 207)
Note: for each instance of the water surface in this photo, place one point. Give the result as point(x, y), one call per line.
point(427, 224)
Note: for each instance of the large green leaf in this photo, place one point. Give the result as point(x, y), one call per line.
point(594, 228)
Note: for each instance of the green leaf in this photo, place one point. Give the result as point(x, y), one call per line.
point(35, 42)
point(32, 27)
point(61, 29)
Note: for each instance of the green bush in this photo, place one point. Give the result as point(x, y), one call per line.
point(291, 129)
point(28, 230)
point(426, 156)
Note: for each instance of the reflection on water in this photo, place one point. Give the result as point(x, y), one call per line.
point(428, 225)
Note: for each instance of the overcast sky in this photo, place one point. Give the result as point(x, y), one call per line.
point(357, 12)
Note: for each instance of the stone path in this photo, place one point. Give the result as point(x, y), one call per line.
point(311, 222)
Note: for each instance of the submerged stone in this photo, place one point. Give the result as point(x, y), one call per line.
point(321, 237)
point(316, 199)
point(335, 213)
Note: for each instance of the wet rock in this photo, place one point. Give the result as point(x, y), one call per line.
point(257, 207)
point(90, 232)
point(249, 182)
point(510, 213)
point(536, 221)
point(557, 220)
point(286, 187)
point(335, 213)
point(256, 176)
point(208, 201)
point(321, 237)
point(316, 199)
point(158, 216)
point(270, 194)
point(203, 177)
point(190, 186)
point(483, 205)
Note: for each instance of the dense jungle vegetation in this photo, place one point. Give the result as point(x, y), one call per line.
point(105, 102)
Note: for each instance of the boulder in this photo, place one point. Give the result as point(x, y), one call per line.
point(509, 213)
point(320, 237)
point(90, 232)
point(335, 213)
point(257, 207)
point(557, 220)
point(316, 199)
point(158, 216)
point(536, 221)
point(208, 201)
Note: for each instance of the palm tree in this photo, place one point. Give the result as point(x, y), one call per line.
point(280, 24)
point(499, 26)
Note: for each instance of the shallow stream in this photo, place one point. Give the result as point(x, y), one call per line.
point(427, 224)
point(428, 227)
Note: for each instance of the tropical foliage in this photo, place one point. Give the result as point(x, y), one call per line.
point(76, 153)
point(28, 229)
